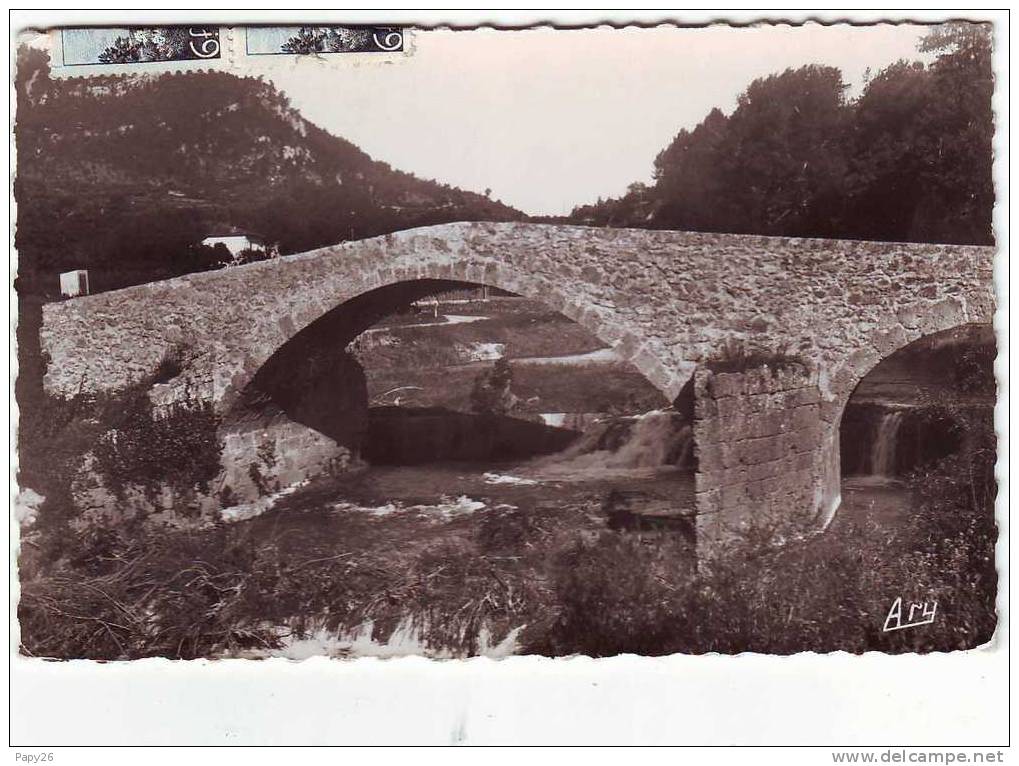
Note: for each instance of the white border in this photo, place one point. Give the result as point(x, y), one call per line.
point(954, 700)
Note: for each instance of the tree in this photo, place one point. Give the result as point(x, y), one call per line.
point(491, 394)
point(921, 144)
point(307, 40)
point(910, 160)
point(773, 167)
point(33, 80)
point(962, 172)
point(889, 153)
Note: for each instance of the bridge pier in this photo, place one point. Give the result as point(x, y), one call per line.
point(269, 452)
point(761, 448)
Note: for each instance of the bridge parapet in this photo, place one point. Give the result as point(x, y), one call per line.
point(666, 300)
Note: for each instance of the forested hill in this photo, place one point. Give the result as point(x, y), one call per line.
point(908, 160)
point(124, 175)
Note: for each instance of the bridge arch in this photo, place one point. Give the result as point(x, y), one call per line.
point(301, 403)
point(664, 300)
point(381, 291)
point(909, 327)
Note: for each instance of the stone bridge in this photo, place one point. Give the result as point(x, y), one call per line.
point(669, 302)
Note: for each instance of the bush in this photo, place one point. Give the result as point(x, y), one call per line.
point(129, 446)
point(139, 592)
point(504, 529)
point(735, 356)
point(181, 449)
point(617, 595)
point(768, 592)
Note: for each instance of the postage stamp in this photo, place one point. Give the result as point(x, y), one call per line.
point(306, 40)
point(98, 51)
point(82, 47)
point(92, 51)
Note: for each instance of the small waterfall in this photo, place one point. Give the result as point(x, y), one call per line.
point(650, 441)
point(654, 441)
point(882, 456)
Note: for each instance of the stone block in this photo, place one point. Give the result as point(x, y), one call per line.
point(710, 455)
point(804, 395)
point(729, 408)
point(942, 316)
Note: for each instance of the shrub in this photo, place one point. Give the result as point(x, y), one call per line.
point(144, 592)
point(129, 444)
point(261, 471)
point(180, 450)
point(617, 595)
point(735, 356)
point(504, 529)
point(768, 591)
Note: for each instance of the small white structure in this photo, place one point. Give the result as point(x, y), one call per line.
point(236, 243)
point(74, 283)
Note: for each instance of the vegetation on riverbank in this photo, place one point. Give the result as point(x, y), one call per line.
point(312, 566)
point(408, 363)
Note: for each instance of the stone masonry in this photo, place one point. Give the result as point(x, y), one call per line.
point(758, 435)
point(666, 301)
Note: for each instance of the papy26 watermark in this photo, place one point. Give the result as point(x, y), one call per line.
point(922, 613)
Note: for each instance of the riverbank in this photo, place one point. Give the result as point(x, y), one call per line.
point(557, 365)
point(391, 561)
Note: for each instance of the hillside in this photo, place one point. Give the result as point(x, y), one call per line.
point(123, 175)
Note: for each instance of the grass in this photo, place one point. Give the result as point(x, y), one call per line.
point(601, 388)
point(734, 356)
point(578, 587)
point(422, 356)
point(526, 328)
point(135, 592)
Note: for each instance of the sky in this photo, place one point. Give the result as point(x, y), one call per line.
point(549, 119)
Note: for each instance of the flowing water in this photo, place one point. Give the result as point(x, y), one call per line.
point(639, 446)
point(883, 453)
point(911, 411)
point(408, 508)
point(405, 640)
point(651, 451)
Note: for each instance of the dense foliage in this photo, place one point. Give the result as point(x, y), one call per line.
point(909, 160)
point(117, 440)
point(179, 448)
point(124, 175)
point(129, 591)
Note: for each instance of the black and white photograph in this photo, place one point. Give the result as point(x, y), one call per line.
point(375, 340)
